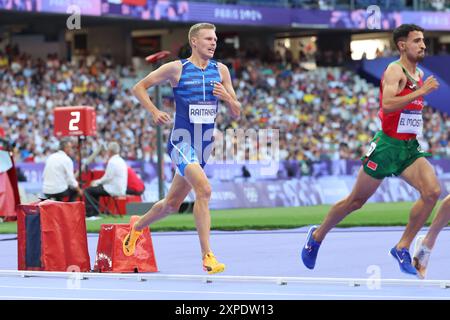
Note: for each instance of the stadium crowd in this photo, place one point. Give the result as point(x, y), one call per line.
point(434, 5)
point(325, 113)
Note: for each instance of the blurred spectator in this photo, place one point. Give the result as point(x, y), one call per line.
point(135, 186)
point(112, 183)
point(58, 179)
point(20, 175)
point(245, 172)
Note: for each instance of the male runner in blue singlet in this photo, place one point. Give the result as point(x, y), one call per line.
point(198, 84)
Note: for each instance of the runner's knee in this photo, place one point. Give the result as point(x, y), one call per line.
point(172, 205)
point(355, 203)
point(203, 191)
point(431, 194)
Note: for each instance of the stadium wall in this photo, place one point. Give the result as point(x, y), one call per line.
point(330, 181)
point(37, 45)
point(111, 40)
point(174, 40)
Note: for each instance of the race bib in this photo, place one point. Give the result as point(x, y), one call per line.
point(371, 149)
point(202, 112)
point(410, 122)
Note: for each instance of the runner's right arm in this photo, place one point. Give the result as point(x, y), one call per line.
point(166, 72)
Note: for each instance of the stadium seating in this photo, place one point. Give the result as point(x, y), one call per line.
point(327, 113)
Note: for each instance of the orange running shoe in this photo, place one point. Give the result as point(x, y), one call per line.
point(129, 242)
point(211, 265)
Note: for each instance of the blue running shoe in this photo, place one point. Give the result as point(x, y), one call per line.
point(404, 260)
point(310, 250)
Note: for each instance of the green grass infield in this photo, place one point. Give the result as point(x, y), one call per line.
point(372, 214)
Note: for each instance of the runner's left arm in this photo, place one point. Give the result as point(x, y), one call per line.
point(225, 92)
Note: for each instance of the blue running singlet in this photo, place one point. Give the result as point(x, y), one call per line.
point(192, 138)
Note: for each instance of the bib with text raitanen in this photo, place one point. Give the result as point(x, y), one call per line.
point(410, 121)
point(202, 112)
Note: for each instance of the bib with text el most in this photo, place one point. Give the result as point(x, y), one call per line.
point(410, 121)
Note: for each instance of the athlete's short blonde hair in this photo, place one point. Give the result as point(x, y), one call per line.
point(193, 31)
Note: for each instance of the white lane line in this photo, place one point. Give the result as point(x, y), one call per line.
point(270, 294)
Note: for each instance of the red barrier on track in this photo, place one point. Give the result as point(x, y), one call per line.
point(110, 257)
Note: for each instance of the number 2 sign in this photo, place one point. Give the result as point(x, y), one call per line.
point(74, 121)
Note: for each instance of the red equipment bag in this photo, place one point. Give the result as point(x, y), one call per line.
point(110, 256)
point(52, 237)
point(9, 190)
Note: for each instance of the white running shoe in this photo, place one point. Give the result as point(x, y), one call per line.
point(421, 257)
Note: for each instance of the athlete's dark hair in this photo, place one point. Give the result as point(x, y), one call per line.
point(401, 32)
